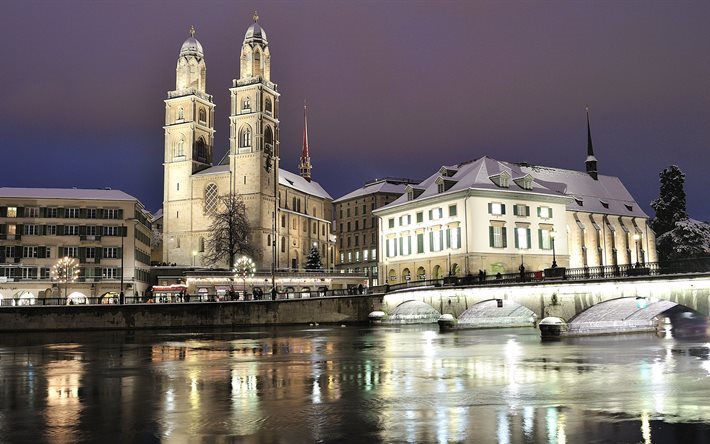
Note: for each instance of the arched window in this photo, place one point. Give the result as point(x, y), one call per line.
point(203, 115)
point(180, 151)
point(246, 104)
point(268, 140)
point(181, 113)
point(245, 137)
point(421, 273)
point(268, 107)
point(201, 149)
point(211, 198)
point(405, 275)
point(202, 245)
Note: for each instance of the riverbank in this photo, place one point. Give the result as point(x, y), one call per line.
point(323, 310)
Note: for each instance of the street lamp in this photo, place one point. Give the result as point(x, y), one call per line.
point(552, 240)
point(122, 297)
point(194, 255)
point(637, 237)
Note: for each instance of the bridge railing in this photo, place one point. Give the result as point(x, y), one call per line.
point(681, 266)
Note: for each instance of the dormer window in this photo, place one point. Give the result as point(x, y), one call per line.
point(604, 203)
point(525, 182)
point(629, 207)
point(579, 201)
point(410, 195)
point(502, 180)
point(447, 172)
point(443, 184)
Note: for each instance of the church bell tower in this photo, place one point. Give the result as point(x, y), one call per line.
point(254, 138)
point(189, 139)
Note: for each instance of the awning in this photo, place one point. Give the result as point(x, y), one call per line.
point(202, 290)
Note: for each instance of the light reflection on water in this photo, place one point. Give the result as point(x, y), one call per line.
point(354, 384)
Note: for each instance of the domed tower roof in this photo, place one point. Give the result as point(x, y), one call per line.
point(255, 33)
point(192, 46)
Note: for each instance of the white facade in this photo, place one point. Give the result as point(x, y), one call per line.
point(495, 216)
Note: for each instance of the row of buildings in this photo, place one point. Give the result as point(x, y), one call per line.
point(478, 215)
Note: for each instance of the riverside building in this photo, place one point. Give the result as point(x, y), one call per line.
point(358, 250)
point(494, 216)
point(106, 231)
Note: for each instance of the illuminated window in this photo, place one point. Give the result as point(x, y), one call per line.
point(211, 199)
point(496, 208)
point(544, 212)
point(497, 237)
point(522, 238)
point(11, 211)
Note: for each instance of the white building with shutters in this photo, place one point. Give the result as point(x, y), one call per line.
point(493, 216)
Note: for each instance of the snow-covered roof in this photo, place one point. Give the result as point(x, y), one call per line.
point(217, 169)
point(391, 186)
point(607, 195)
point(157, 215)
point(291, 180)
point(65, 193)
point(479, 174)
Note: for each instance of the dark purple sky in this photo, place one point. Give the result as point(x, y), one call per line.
point(394, 88)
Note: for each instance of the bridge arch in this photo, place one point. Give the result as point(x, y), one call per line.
point(620, 314)
point(494, 313)
point(413, 312)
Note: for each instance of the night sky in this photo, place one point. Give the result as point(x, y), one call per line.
point(394, 88)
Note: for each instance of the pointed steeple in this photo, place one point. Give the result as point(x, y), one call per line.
point(591, 162)
point(304, 165)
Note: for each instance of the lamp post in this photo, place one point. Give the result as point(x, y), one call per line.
point(636, 241)
point(194, 255)
point(122, 297)
point(552, 240)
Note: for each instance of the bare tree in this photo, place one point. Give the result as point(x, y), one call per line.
point(229, 232)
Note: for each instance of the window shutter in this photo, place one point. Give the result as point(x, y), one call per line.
point(3, 211)
point(515, 235)
point(100, 215)
point(502, 208)
point(448, 238)
point(491, 235)
point(82, 213)
point(43, 212)
point(505, 238)
point(539, 238)
point(441, 239)
point(490, 208)
point(431, 241)
point(82, 254)
point(527, 210)
point(20, 212)
point(458, 237)
point(60, 230)
point(82, 230)
point(387, 248)
point(401, 241)
point(515, 211)
point(120, 213)
point(538, 211)
point(409, 244)
point(431, 213)
point(527, 231)
point(60, 212)
point(550, 212)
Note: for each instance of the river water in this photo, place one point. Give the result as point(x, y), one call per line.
point(351, 384)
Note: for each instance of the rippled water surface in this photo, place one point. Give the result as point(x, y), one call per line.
point(351, 384)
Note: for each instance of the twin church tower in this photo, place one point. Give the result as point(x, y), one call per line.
point(281, 231)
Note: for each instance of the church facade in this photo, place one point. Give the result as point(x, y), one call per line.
point(288, 213)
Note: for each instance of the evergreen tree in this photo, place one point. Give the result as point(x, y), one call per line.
point(313, 261)
point(670, 205)
point(229, 232)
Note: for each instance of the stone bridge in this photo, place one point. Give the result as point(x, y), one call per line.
point(601, 301)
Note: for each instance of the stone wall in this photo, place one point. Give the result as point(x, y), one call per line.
point(341, 310)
